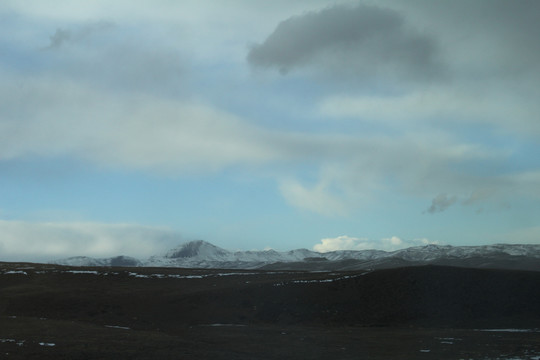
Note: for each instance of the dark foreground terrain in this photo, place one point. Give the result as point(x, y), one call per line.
point(429, 312)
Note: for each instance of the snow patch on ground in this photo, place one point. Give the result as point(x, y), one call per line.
point(448, 340)
point(117, 327)
point(177, 276)
point(82, 272)
point(46, 344)
point(13, 272)
point(320, 280)
point(18, 342)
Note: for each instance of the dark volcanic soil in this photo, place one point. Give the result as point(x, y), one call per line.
point(429, 312)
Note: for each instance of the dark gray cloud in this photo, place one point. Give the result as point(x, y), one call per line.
point(482, 38)
point(362, 40)
point(441, 202)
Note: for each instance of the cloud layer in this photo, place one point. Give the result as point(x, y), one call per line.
point(34, 241)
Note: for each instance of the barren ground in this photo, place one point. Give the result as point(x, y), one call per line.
point(54, 312)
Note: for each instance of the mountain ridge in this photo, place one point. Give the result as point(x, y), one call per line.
point(202, 254)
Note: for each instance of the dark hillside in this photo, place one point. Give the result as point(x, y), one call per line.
point(164, 298)
point(420, 296)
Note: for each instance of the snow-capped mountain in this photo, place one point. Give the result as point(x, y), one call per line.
point(435, 252)
point(201, 254)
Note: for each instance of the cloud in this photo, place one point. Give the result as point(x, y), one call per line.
point(362, 40)
point(345, 242)
point(409, 108)
point(126, 130)
point(496, 192)
point(318, 199)
point(460, 105)
point(492, 37)
point(441, 202)
point(110, 56)
point(58, 38)
point(44, 241)
point(52, 116)
point(479, 196)
point(357, 171)
point(61, 37)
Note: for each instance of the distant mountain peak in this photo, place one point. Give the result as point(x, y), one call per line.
point(194, 249)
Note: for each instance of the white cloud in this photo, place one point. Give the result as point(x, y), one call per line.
point(43, 241)
point(345, 242)
point(131, 130)
point(318, 198)
point(460, 104)
point(353, 171)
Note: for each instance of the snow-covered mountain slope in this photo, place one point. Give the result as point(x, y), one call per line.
point(435, 252)
point(81, 261)
point(201, 254)
point(199, 249)
point(88, 261)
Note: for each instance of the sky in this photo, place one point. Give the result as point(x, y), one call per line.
point(132, 127)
